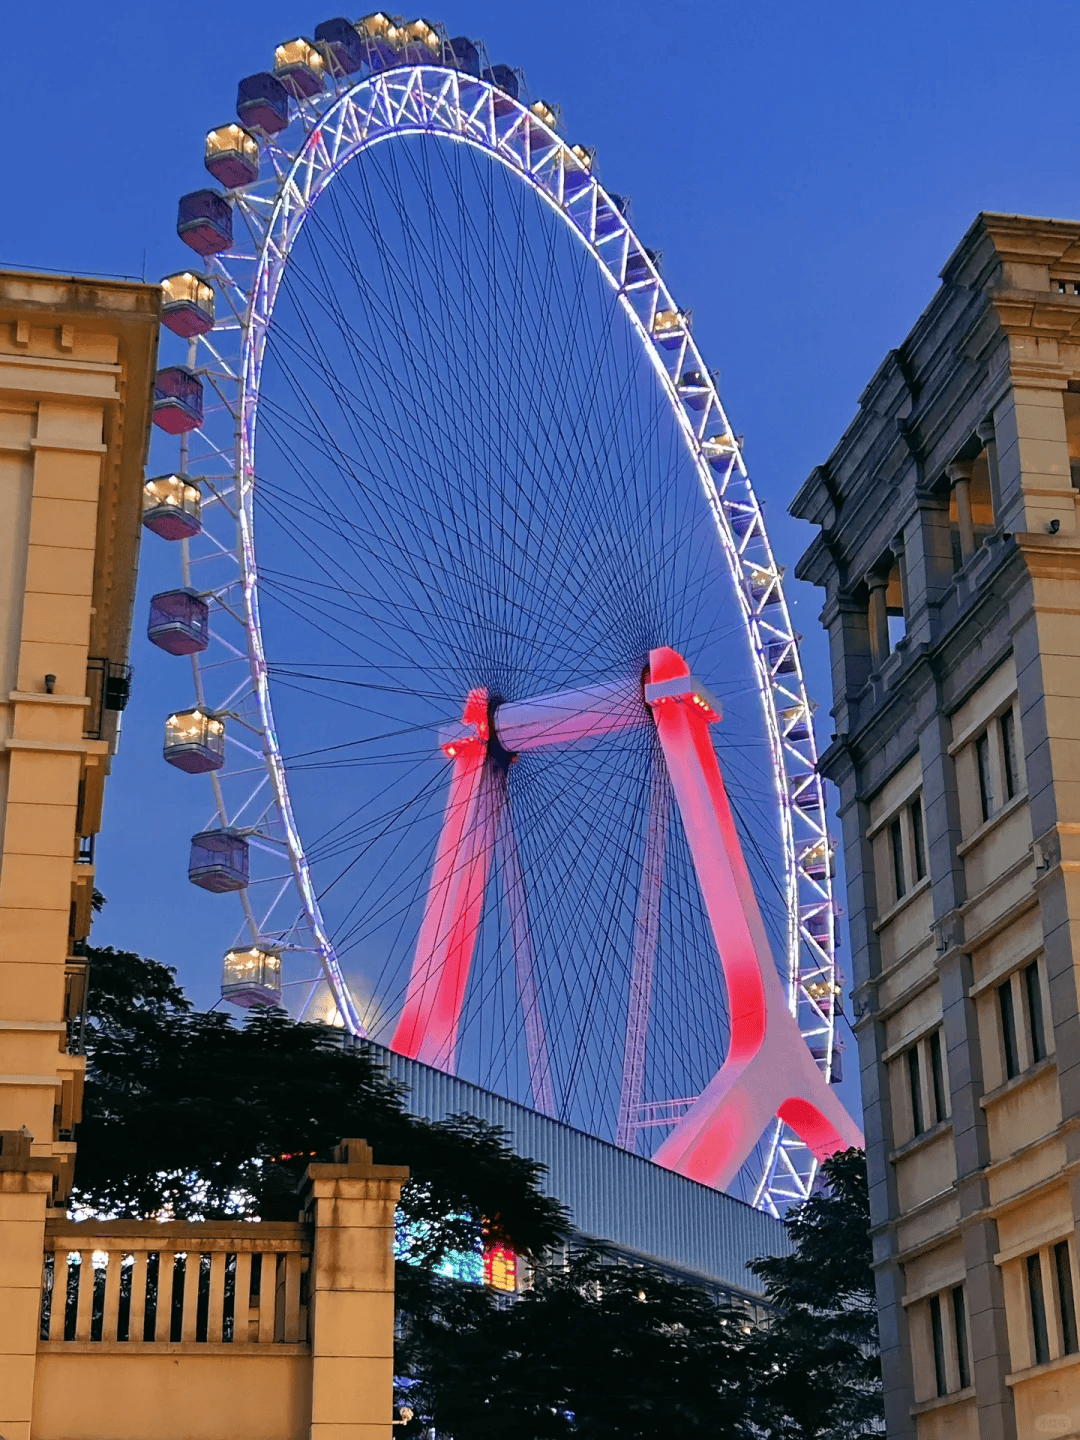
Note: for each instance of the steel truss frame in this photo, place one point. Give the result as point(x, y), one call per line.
point(326, 133)
point(768, 1072)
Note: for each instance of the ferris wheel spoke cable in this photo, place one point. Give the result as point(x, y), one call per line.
point(472, 473)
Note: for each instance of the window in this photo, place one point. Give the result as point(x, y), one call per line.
point(1033, 996)
point(1007, 727)
point(959, 1315)
point(901, 862)
point(918, 839)
point(938, 1340)
point(896, 845)
point(1066, 1302)
point(1007, 1014)
point(927, 1087)
point(1039, 1335)
point(915, 1091)
point(986, 781)
point(1022, 1020)
point(937, 1077)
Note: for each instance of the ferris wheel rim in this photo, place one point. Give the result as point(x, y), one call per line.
point(293, 202)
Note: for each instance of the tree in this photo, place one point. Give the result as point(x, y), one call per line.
point(189, 1114)
point(814, 1369)
point(594, 1349)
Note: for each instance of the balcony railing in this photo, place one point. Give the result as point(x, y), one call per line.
point(108, 685)
point(139, 1283)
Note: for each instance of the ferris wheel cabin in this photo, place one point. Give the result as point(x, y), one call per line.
point(262, 103)
point(204, 221)
point(232, 156)
point(178, 400)
point(219, 861)
point(252, 977)
point(300, 68)
point(172, 507)
point(179, 622)
point(187, 307)
point(195, 741)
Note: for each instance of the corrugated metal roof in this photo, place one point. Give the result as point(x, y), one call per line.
point(611, 1194)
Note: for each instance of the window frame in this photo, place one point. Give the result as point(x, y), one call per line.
point(984, 775)
point(958, 1306)
point(917, 829)
point(1007, 1030)
point(1038, 1319)
point(927, 1097)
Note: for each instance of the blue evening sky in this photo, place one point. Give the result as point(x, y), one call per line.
point(805, 169)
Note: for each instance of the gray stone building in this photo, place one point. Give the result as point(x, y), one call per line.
point(949, 550)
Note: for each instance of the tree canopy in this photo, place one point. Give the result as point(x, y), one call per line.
point(817, 1362)
point(188, 1114)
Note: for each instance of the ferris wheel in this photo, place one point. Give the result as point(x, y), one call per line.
point(512, 764)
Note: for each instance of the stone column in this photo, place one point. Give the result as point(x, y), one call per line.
point(988, 435)
point(959, 473)
point(26, 1183)
point(351, 1288)
point(878, 617)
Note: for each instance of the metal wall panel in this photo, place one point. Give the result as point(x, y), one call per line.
point(611, 1194)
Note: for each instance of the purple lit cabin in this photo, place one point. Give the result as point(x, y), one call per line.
point(178, 400)
point(262, 103)
point(577, 177)
point(179, 622)
point(694, 389)
point(780, 655)
point(187, 304)
point(506, 80)
point(610, 218)
point(195, 741)
point(219, 861)
point(810, 798)
point(820, 1054)
point(172, 507)
point(341, 40)
point(639, 266)
point(232, 156)
point(461, 54)
point(817, 926)
point(300, 68)
point(204, 221)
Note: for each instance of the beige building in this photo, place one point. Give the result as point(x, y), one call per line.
point(120, 1330)
point(949, 550)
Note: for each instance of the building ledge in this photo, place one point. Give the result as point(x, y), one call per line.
point(902, 904)
point(39, 697)
point(1002, 1092)
point(917, 1141)
point(988, 826)
point(1063, 1362)
point(941, 1402)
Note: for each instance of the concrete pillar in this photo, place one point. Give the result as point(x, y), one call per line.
point(26, 1183)
point(878, 618)
point(988, 435)
point(351, 1288)
point(959, 473)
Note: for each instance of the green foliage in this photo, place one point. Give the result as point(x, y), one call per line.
point(188, 1114)
point(817, 1364)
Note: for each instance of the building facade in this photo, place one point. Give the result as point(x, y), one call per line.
point(949, 551)
point(114, 1330)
